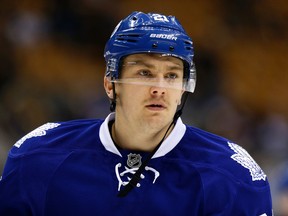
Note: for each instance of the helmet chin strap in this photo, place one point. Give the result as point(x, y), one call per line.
point(136, 176)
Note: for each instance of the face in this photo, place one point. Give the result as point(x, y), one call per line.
point(148, 101)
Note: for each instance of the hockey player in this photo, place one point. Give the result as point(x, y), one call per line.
point(142, 159)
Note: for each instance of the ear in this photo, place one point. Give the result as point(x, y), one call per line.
point(108, 87)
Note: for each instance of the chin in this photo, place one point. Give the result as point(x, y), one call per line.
point(157, 121)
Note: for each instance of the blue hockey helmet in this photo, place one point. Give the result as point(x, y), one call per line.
point(150, 33)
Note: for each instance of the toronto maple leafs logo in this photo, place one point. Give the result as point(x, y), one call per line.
point(40, 131)
point(242, 157)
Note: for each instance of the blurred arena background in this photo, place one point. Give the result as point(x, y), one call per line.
point(52, 67)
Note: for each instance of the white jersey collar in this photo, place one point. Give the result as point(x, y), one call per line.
point(168, 144)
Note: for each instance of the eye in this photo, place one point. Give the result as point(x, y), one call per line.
point(145, 73)
point(171, 76)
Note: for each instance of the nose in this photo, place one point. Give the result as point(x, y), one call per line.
point(157, 90)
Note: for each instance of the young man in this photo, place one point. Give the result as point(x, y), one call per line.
point(141, 159)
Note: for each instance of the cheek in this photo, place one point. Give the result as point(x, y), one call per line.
point(127, 96)
point(178, 99)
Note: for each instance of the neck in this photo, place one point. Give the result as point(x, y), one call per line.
point(138, 138)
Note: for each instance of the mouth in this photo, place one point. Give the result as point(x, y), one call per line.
point(156, 106)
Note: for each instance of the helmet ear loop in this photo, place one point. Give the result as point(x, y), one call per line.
point(113, 100)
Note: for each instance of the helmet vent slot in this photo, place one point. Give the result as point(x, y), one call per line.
point(128, 37)
point(125, 39)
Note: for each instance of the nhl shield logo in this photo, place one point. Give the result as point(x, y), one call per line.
point(134, 160)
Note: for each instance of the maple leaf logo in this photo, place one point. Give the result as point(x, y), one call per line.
point(242, 157)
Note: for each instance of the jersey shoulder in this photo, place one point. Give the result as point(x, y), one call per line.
point(57, 136)
point(222, 156)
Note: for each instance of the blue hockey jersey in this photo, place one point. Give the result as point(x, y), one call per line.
point(74, 168)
